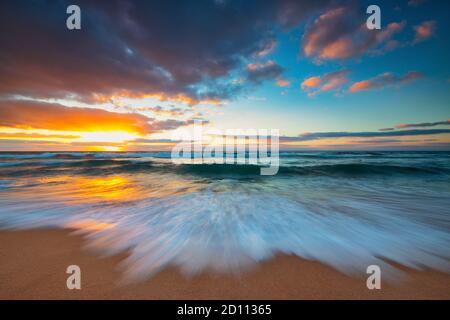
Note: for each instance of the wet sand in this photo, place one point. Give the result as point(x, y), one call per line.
point(33, 266)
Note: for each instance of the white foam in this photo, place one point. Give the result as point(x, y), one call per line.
point(229, 231)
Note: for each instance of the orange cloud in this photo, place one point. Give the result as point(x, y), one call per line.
point(327, 82)
point(424, 31)
point(341, 33)
point(257, 66)
point(312, 82)
point(283, 83)
point(384, 80)
point(35, 136)
point(52, 116)
point(338, 49)
point(360, 86)
point(390, 30)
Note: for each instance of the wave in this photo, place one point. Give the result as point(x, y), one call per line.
point(230, 231)
point(138, 165)
point(167, 154)
point(82, 155)
point(12, 164)
point(359, 169)
point(349, 169)
point(329, 155)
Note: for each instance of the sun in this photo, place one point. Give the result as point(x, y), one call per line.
point(104, 148)
point(107, 136)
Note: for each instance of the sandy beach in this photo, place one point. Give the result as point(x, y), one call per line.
point(33, 265)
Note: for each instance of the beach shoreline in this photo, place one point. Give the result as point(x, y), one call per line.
point(33, 266)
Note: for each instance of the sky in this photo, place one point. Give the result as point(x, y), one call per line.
point(137, 72)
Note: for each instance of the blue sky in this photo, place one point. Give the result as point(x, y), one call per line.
point(426, 100)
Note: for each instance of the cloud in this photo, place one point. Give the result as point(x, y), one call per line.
point(181, 51)
point(418, 125)
point(415, 3)
point(267, 48)
point(180, 98)
point(283, 83)
point(384, 80)
point(341, 33)
point(258, 72)
point(31, 136)
point(173, 124)
point(328, 82)
point(423, 124)
point(312, 136)
point(327, 135)
point(424, 31)
point(376, 141)
point(311, 82)
point(157, 110)
point(24, 114)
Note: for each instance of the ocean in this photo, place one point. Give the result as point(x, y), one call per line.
point(347, 210)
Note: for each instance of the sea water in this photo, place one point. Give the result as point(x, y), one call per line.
point(345, 209)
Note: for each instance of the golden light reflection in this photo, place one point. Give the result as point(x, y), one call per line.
point(86, 188)
point(107, 188)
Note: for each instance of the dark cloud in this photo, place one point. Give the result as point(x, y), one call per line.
point(180, 50)
point(144, 140)
point(325, 135)
point(258, 72)
point(173, 124)
point(423, 124)
point(375, 141)
point(341, 33)
point(369, 134)
point(157, 110)
point(415, 3)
